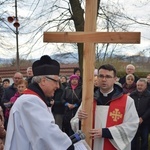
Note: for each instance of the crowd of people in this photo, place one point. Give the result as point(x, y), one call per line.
point(42, 110)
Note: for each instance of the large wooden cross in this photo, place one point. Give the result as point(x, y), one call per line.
point(89, 37)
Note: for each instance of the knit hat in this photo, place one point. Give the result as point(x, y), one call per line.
point(45, 66)
point(74, 77)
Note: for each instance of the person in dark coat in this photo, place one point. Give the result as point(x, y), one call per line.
point(6, 83)
point(58, 107)
point(29, 75)
point(71, 99)
point(141, 98)
point(10, 92)
point(1, 94)
point(63, 80)
point(96, 84)
point(77, 72)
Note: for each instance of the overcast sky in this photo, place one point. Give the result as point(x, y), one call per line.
point(133, 8)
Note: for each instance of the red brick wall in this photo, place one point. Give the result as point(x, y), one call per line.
point(8, 72)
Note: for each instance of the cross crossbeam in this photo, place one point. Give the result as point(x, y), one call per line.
point(92, 37)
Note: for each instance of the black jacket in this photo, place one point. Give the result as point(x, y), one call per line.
point(1, 94)
point(148, 86)
point(116, 93)
point(8, 93)
point(73, 97)
point(58, 107)
point(142, 104)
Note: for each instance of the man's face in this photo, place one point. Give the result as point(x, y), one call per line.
point(29, 73)
point(130, 70)
point(106, 80)
point(49, 85)
point(148, 78)
point(141, 86)
point(17, 77)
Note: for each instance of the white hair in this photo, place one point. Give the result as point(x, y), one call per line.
point(130, 66)
point(37, 79)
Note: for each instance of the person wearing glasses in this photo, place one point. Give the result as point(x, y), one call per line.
point(31, 123)
point(9, 92)
point(115, 119)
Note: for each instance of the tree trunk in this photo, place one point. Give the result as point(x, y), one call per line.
point(78, 18)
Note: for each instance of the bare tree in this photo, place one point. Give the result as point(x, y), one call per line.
point(37, 16)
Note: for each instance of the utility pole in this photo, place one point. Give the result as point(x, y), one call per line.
point(16, 24)
point(17, 43)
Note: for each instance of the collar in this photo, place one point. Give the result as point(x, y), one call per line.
point(36, 88)
point(106, 94)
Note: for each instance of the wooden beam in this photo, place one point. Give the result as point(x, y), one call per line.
point(92, 37)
